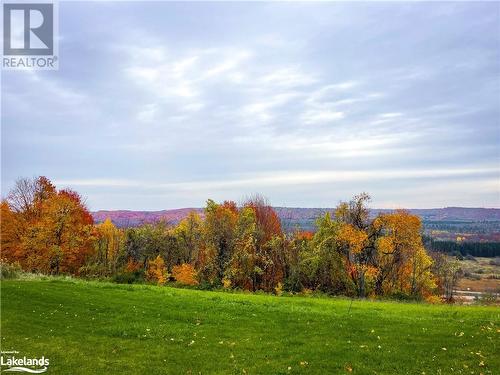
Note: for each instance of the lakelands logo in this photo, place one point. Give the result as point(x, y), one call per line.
point(29, 31)
point(11, 362)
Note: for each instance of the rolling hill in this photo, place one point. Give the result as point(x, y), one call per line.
point(125, 218)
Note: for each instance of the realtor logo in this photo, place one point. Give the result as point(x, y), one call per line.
point(28, 36)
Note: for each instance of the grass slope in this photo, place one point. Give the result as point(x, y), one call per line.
point(102, 328)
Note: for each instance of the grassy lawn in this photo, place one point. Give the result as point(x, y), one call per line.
point(102, 328)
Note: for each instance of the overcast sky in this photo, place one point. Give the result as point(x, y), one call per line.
point(163, 105)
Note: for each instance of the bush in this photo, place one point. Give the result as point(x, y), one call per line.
point(92, 271)
point(206, 285)
point(487, 299)
point(10, 270)
point(156, 271)
point(129, 277)
point(433, 299)
point(292, 283)
point(184, 274)
point(495, 262)
point(400, 296)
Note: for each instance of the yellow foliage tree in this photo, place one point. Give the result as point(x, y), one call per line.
point(352, 238)
point(110, 241)
point(156, 271)
point(188, 233)
point(404, 264)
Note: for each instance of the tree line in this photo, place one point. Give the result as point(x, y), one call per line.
point(242, 246)
point(476, 249)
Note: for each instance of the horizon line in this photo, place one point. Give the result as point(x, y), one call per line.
point(298, 207)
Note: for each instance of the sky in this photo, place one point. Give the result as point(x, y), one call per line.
point(164, 105)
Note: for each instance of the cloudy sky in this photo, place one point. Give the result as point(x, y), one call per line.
point(163, 105)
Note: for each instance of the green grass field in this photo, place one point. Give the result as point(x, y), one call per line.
point(103, 328)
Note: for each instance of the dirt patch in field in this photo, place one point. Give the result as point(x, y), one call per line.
point(482, 285)
point(480, 275)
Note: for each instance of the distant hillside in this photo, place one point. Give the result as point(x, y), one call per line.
point(433, 214)
point(305, 217)
point(126, 218)
point(455, 214)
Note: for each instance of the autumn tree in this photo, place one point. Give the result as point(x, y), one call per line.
point(184, 274)
point(188, 234)
point(356, 239)
point(403, 263)
point(156, 271)
point(62, 235)
point(12, 230)
point(273, 262)
point(258, 258)
point(218, 240)
point(243, 269)
point(109, 244)
point(297, 244)
point(28, 195)
point(53, 228)
point(146, 242)
point(21, 210)
point(447, 272)
point(268, 222)
point(323, 265)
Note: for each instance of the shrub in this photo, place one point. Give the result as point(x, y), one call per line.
point(226, 283)
point(205, 285)
point(132, 265)
point(292, 283)
point(92, 271)
point(9, 270)
point(401, 296)
point(129, 277)
point(185, 274)
point(156, 271)
point(433, 299)
point(495, 262)
point(487, 299)
point(279, 289)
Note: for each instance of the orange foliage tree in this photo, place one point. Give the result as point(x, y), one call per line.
point(52, 228)
point(132, 265)
point(185, 274)
point(156, 271)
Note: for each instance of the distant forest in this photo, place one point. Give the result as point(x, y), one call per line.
point(477, 249)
